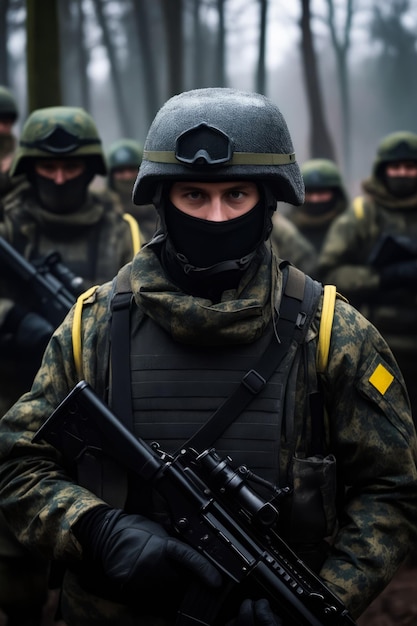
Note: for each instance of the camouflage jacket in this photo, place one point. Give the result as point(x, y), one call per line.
point(346, 260)
point(290, 244)
point(314, 227)
point(369, 429)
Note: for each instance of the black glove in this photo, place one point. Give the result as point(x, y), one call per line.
point(256, 613)
point(28, 332)
point(400, 275)
point(33, 334)
point(138, 554)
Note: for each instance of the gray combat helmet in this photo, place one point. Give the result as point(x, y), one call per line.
point(398, 146)
point(59, 132)
point(219, 134)
point(8, 106)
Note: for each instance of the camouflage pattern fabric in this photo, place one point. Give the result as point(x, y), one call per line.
point(290, 244)
point(370, 432)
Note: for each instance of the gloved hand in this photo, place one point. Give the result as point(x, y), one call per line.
point(138, 554)
point(399, 275)
point(33, 334)
point(256, 613)
point(26, 331)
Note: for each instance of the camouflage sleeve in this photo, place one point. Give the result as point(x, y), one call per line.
point(343, 257)
point(374, 441)
point(38, 497)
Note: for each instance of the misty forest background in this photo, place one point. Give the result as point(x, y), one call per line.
point(343, 72)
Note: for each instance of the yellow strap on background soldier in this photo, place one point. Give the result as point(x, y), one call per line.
point(134, 230)
point(76, 331)
point(358, 207)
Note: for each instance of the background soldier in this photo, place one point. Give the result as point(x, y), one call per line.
point(325, 199)
point(290, 244)
point(371, 250)
point(124, 158)
point(371, 255)
point(8, 116)
point(205, 298)
point(58, 155)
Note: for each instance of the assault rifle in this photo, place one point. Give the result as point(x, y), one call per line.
point(55, 287)
point(393, 249)
point(211, 507)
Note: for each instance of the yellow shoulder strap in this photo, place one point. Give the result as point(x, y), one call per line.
point(135, 231)
point(76, 330)
point(326, 323)
point(358, 207)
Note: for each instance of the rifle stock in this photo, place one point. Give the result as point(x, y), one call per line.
point(212, 508)
point(54, 299)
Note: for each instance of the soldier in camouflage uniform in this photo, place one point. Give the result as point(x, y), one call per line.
point(8, 116)
point(382, 284)
point(289, 243)
point(371, 255)
point(325, 199)
point(124, 157)
point(59, 153)
point(204, 295)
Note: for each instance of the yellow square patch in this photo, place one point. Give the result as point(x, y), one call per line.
point(381, 379)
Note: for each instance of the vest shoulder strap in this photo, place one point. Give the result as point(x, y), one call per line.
point(123, 296)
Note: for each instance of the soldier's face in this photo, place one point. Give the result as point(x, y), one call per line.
point(125, 173)
point(401, 169)
point(319, 195)
point(214, 202)
point(6, 125)
point(59, 171)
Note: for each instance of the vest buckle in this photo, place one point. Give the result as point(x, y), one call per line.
point(254, 381)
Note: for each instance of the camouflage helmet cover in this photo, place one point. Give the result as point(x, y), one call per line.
point(219, 134)
point(322, 174)
point(397, 146)
point(8, 106)
point(124, 153)
point(59, 132)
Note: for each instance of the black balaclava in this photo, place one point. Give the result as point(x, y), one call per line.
point(7, 144)
point(205, 258)
point(317, 209)
point(65, 198)
point(401, 186)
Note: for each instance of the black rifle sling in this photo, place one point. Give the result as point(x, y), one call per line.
point(298, 305)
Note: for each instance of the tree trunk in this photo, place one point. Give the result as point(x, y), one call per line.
point(120, 99)
point(43, 54)
point(320, 142)
point(4, 68)
point(221, 45)
point(174, 31)
point(149, 66)
point(341, 50)
point(261, 71)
